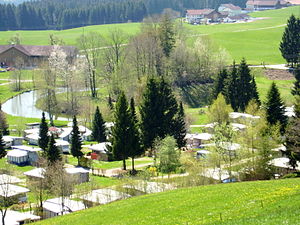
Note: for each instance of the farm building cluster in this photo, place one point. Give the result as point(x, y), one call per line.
point(229, 13)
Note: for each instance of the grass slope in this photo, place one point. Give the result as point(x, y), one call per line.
point(262, 202)
point(257, 41)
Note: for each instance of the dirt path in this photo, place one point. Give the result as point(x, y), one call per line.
point(262, 28)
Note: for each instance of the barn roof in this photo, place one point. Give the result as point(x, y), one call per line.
point(38, 50)
point(199, 11)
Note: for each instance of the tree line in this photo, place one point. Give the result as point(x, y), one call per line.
point(47, 14)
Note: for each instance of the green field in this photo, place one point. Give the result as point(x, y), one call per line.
point(257, 41)
point(263, 202)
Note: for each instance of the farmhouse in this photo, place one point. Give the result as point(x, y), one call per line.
point(197, 16)
point(254, 5)
point(195, 140)
point(30, 55)
point(230, 9)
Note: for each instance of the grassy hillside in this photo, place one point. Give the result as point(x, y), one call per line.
point(257, 41)
point(263, 202)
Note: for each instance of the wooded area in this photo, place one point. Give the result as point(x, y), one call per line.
point(48, 14)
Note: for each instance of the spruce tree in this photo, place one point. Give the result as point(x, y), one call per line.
point(292, 137)
point(179, 129)
point(244, 88)
point(151, 113)
point(230, 89)
point(169, 108)
point(43, 133)
point(219, 83)
point(120, 131)
point(76, 141)
point(167, 34)
point(99, 129)
point(296, 88)
point(290, 43)
point(134, 134)
point(53, 153)
point(158, 111)
point(275, 108)
point(254, 91)
point(2, 147)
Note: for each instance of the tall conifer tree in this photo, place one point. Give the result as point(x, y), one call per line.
point(76, 141)
point(134, 135)
point(120, 131)
point(230, 90)
point(296, 88)
point(179, 129)
point(43, 133)
point(99, 129)
point(53, 153)
point(275, 108)
point(219, 83)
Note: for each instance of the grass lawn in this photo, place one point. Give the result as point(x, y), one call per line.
point(257, 41)
point(112, 165)
point(19, 170)
point(263, 202)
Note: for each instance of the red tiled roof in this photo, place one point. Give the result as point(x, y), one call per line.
point(36, 50)
point(231, 6)
point(199, 11)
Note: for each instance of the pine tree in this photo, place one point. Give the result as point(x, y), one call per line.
point(120, 131)
point(254, 91)
point(151, 113)
point(2, 145)
point(179, 129)
point(134, 135)
point(76, 141)
point(220, 83)
point(99, 129)
point(53, 153)
point(230, 89)
point(244, 88)
point(167, 34)
point(275, 108)
point(43, 133)
point(290, 43)
point(296, 88)
point(292, 137)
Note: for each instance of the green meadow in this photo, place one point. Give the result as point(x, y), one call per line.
point(257, 41)
point(261, 202)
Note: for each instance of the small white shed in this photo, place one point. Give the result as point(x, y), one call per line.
point(14, 192)
point(18, 218)
point(80, 174)
point(62, 145)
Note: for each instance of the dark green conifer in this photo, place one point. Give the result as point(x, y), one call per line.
point(76, 141)
point(43, 133)
point(53, 153)
point(3, 151)
point(99, 129)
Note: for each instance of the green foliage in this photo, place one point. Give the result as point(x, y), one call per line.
point(120, 130)
point(76, 141)
point(275, 108)
point(2, 145)
point(157, 110)
point(98, 131)
point(219, 83)
point(134, 134)
point(240, 87)
point(43, 133)
point(296, 88)
point(53, 154)
point(168, 154)
point(290, 43)
point(3, 123)
point(219, 111)
point(179, 127)
point(167, 34)
point(292, 141)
